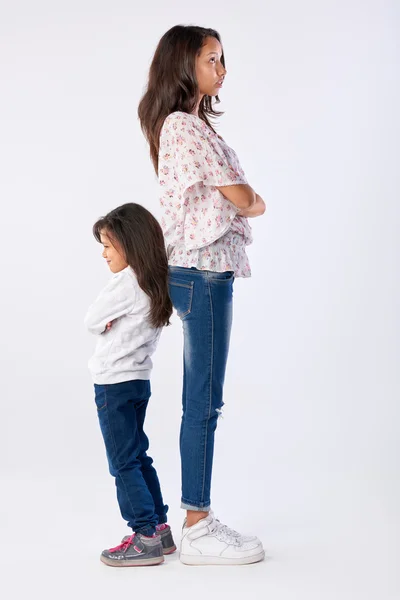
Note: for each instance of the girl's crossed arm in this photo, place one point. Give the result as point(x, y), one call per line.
point(114, 301)
point(245, 199)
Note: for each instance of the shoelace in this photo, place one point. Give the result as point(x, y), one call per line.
point(125, 545)
point(229, 531)
point(225, 534)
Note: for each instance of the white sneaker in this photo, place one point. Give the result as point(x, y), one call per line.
point(211, 543)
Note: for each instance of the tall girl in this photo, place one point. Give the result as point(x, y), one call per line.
point(205, 201)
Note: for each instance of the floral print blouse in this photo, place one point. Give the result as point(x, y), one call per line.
point(200, 225)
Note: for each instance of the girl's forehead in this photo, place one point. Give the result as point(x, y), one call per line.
point(211, 44)
point(104, 236)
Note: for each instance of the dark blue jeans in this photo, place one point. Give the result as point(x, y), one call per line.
point(121, 408)
point(203, 300)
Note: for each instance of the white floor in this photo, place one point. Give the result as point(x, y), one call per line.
point(53, 531)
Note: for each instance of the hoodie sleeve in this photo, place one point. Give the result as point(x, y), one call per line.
point(114, 301)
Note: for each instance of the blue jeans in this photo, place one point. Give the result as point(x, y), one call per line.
point(121, 408)
point(203, 300)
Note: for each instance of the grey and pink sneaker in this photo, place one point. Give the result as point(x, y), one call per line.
point(135, 551)
point(167, 541)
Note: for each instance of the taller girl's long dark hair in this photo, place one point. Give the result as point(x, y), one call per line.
point(140, 237)
point(172, 84)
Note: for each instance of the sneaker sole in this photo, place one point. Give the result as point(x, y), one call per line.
point(169, 550)
point(143, 562)
point(218, 560)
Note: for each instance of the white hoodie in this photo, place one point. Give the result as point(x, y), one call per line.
point(122, 353)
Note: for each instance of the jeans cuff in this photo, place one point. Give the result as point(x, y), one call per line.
point(188, 506)
point(162, 520)
point(148, 530)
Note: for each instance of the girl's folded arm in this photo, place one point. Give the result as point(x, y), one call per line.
point(241, 195)
point(114, 301)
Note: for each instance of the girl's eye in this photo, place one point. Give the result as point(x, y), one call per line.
point(212, 60)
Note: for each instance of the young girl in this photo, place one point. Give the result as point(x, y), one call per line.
point(127, 318)
point(205, 199)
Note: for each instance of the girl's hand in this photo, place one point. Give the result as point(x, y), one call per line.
point(108, 326)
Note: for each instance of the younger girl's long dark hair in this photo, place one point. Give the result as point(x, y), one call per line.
point(140, 237)
point(172, 84)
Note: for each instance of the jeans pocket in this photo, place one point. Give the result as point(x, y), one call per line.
point(100, 397)
point(181, 294)
point(225, 277)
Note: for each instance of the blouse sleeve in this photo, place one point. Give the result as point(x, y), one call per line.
point(198, 156)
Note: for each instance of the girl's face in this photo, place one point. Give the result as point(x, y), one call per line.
point(210, 71)
point(112, 253)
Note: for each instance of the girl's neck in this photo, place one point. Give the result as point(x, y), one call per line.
point(196, 110)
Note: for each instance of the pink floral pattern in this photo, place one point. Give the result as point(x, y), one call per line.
point(200, 226)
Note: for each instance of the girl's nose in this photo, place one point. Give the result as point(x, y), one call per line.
point(222, 70)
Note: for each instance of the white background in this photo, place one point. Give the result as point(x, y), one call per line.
point(307, 454)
